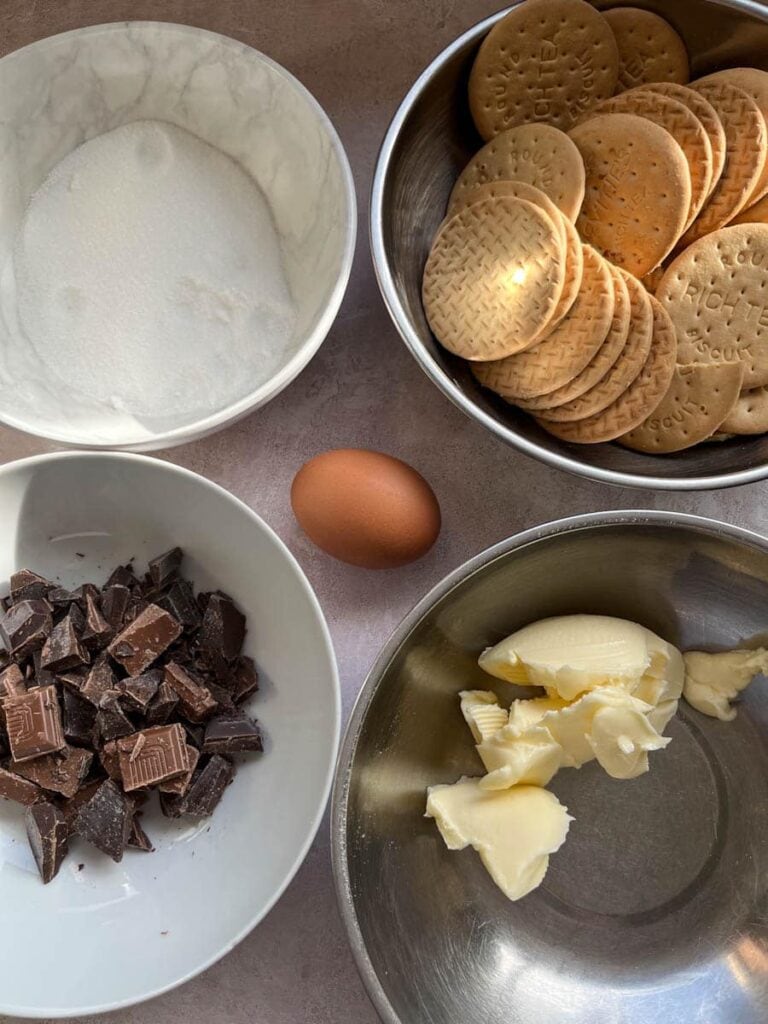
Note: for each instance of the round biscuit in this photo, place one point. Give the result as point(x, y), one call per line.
point(535, 153)
point(638, 190)
point(567, 349)
point(717, 295)
point(639, 400)
point(699, 399)
point(626, 368)
point(518, 189)
point(545, 61)
point(706, 114)
point(605, 357)
point(650, 50)
point(750, 413)
point(493, 278)
point(746, 148)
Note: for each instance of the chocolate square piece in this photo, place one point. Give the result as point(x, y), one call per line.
point(62, 772)
point(180, 784)
point(244, 679)
point(78, 718)
point(105, 820)
point(48, 837)
point(144, 639)
point(33, 721)
point(231, 733)
point(196, 701)
point(165, 567)
point(179, 600)
point(97, 630)
point(63, 650)
point(12, 682)
point(25, 627)
point(223, 628)
point(114, 601)
point(152, 756)
point(162, 705)
point(138, 839)
point(111, 720)
point(205, 790)
point(21, 791)
point(29, 586)
point(138, 691)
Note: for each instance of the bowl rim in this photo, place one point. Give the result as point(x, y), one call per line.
point(400, 318)
point(313, 340)
point(340, 794)
point(313, 824)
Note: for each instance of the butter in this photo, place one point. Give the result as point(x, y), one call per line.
point(513, 830)
point(712, 681)
point(621, 738)
point(532, 758)
point(482, 713)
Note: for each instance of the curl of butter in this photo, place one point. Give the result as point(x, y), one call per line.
point(712, 681)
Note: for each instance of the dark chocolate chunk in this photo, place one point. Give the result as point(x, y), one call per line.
point(63, 772)
point(60, 598)
point(105, 820)
point(223, 698)
point(162, 705)
point(114, 602)
point(78, 718)
point(230, 733)
point(195, 700)
point(35, 671)
point(138, 839)
point(97, 630)
point(204, 793)
point(223, 628)
point(152, 756)
point(48, 837)
point(244, 679)
point(142, 641)
point(165, 567)
point(83, 592)
point(111, 720)
point(63, 650)
point(25, 627)
point(12, 682)
point(138, 691)
point(180, 784)
point(179, 600)
point(72, 807)
point(21, 791)
point(100, 679)
point(77, 617)
point(109, 756)
point(195, 734)
point(123, 576)
point(33, 721)
point(74, 679)
point(29, 586)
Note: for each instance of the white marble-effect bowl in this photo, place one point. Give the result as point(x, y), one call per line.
point(59, 92)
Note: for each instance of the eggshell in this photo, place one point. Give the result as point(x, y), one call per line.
point(366, 508)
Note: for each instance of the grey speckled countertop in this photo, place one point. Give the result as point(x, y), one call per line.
point(363, 389)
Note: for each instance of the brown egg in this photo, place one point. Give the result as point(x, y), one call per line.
point(366, 508)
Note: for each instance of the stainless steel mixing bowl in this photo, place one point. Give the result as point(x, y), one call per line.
point(655, 909)
point(428, 142)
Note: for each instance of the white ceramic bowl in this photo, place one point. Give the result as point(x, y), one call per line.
point(61, 91)
point(114, 934)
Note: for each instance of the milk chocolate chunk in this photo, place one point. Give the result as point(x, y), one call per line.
point(142, 641)
point(111, 720)
point(195, 700)
point(109, 757)
point(223, 628)
point(162, 705)
point(138, 839)
point(21, 791)
point(231, 733)
point(180, 784)
point(100, 680)
point(204, 793)
point(12, 682)
point(63, 772)
point(97, 630)
point(33, 721)
point(138, 691)
point(63, 650)
point(179, 600)
point(244, 679)
point(29, 586)
point(48, 837)
point(152, 756)
point(106, 819)
point(25, 627)
point(78, 718)
point(114, 602)
point(165, 567)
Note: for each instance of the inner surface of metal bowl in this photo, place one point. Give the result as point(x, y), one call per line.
point(655, 907)
point(429, 141)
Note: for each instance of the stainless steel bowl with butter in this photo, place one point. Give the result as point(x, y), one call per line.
point(656, 907)
point(430, 139)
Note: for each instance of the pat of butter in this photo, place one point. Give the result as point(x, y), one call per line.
point(482, 713)
point(572, 654)
point(712, 681)
point(513, 830)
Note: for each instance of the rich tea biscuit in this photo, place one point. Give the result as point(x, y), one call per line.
point(703, 110)
point(699, 399)
point(546, 61)
point(518, 189)
point(650, 50)
point(717, 295)
point(638, 190)
point(535, 153)
point(749, 415)
point(493, 278)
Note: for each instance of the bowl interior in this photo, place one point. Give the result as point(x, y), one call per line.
point(74, 517)
point(430, 147)
point(62, 91)
point(655, 907)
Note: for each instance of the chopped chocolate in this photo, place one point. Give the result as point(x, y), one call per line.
point(40, 675)
point(223, 628)
point(63, 772)
point(244, 679)
point(138, 691)
point(114, 601)
point(60, 598)
point(195, 734)
point(72, 807)
point(222, 697)
point(152, 756)
point(179, 600)
point(180, 784)
point(48, 837)
point(29, 586)
point(25, 627)
point(109, 756)
point(196, 701)
point(75, 679)
point(122, 576)
point(14, 787)
point(111, 720)
point(63, 650)
point(165, 567)
point(100, 680)
point(83, 592)
point(12, 682)
point(142, 641)
point(97, 630)
point(77, 617)
point(162, 705)
point(78, 718)
point(33, 721)
point(105, 820)
point(138, 839)
point(230, 733)
point(205, 790)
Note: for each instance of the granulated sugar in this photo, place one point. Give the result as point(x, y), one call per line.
point(148, 276)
